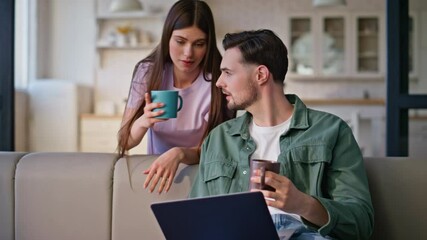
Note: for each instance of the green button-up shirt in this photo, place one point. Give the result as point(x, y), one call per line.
point(318, 154)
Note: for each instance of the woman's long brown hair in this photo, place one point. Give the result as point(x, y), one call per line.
point(183, 14)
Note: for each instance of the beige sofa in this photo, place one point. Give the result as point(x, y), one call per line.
point(97, 196)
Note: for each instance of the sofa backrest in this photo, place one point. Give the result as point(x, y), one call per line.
point(95, 196)
point(63, 196)
point(132, 215)
point(399, 192)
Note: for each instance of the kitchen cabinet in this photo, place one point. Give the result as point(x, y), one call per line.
point(99, 134)
point(344, 45)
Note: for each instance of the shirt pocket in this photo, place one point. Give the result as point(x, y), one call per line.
point(218, 176)
point(307, 167)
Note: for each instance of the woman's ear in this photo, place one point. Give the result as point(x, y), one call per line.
point(262, 74)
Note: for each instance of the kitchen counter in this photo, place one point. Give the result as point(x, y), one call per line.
point(97, 116)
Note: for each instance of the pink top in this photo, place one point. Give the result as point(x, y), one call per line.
point(187, 129)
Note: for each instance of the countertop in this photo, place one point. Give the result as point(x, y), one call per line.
point(95, 116)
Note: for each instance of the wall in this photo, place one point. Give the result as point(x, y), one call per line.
point(66, 33)
point(21, 123)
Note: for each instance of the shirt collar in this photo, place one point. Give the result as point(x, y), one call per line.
point(240, 125)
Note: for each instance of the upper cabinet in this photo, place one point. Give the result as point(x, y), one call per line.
point(348, 45)
point(334, 50)
point(302, 46)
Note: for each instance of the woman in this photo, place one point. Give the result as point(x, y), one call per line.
point(187, 59)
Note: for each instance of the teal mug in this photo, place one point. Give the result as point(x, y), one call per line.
point(170, 100)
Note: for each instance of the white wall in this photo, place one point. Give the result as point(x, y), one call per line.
point(21, 123)
point(66, 34)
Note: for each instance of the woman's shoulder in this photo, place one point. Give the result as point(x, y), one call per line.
point(141, 69)
point(143, 66)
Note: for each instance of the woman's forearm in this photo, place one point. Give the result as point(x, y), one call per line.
point(136, 135)
point(188, 156)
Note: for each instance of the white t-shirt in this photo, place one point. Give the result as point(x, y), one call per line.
point(267, 140)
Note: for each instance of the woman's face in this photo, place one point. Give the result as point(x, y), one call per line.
point(187, 47)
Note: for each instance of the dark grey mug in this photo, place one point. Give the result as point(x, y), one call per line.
point(263, 165)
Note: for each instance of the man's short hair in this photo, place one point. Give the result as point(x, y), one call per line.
point(262, 47)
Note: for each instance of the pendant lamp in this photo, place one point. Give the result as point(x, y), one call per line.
point(125, 5)
point(320, 3)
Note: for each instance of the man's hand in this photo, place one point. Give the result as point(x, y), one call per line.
point(291, 200)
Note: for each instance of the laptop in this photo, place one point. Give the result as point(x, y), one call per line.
point(233, 216)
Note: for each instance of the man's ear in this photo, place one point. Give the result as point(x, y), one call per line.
point(262, 74)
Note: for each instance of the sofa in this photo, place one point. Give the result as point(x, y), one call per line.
point(47, 195)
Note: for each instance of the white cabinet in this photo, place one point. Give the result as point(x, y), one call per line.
point(344, 45)
point(54, 107)
point(99, 134)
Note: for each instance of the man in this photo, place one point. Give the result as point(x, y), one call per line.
point(322, 188)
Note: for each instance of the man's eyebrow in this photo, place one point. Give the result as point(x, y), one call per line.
point(224, 69)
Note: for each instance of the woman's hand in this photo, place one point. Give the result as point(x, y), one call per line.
point(162, 171)
point(148, 119)
point(143, 123)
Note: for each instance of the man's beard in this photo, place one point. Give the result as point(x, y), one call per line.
point(250, 95)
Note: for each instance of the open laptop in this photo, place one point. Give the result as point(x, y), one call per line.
point(233, 216)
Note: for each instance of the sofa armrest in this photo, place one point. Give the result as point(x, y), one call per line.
point(8, 161)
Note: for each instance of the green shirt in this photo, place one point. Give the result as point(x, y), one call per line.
point(318, 154)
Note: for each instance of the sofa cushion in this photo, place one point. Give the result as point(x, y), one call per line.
point(64, 196)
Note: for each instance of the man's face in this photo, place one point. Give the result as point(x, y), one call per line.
point(237, 81)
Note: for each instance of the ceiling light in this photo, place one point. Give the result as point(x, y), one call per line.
point(125, 5)
point(319, 3)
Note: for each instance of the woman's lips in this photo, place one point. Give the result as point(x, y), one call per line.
point(187, 63)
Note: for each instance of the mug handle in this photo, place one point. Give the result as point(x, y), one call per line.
point(180, 103)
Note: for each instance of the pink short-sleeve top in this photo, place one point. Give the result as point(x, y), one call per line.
point(187, 129)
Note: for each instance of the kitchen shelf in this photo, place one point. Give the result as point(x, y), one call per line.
point(141, 46)
point(130, 15)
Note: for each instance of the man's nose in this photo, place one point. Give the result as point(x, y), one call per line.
point(219, 82)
